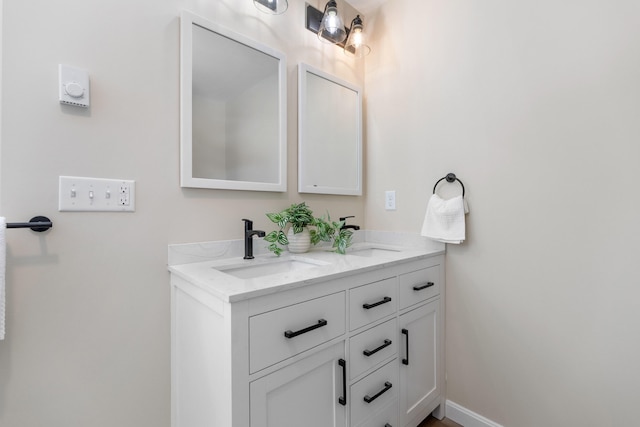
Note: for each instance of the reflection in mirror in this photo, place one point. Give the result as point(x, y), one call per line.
point(233, 121)
point(330, 134)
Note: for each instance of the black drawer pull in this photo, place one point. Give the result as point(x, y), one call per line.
point(291, 334)
point(388, 425)
point(425, 286)
point(387, 386)
point(406, 361)
point(343, 400)
point(368, 353)
point(375, 304)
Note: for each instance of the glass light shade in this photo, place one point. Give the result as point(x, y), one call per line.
point(355, 45)
point(332, 26)
point(273, 7)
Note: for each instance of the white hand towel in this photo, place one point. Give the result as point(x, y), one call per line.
point(444, 220)
point(3, 261)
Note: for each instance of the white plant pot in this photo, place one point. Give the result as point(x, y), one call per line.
point(299, 243)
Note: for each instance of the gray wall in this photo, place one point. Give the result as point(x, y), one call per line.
point(535, 106)
point(88, 302)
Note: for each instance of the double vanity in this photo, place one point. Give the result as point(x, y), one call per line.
point(314, 340)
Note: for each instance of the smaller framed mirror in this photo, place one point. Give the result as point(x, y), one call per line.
point(233, 129)
point(329, 134)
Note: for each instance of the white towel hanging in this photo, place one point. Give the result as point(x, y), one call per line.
point(444, 219)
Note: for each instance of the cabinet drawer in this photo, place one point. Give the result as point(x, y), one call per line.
point(378, 343)
point(371, 302)
point(374, 392)
point(283, 333)
point(386, 417)
point(419, 285)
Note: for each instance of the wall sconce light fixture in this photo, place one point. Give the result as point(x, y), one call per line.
point(329, 27)
point(274, 7)
point(355, 45)
point(332, 28)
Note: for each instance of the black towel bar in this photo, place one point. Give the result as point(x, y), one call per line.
point(451, 177)
point(37, 223)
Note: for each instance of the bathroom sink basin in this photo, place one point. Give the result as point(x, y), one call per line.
point(260, 268)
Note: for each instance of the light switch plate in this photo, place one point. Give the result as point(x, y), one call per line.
point(96, 194)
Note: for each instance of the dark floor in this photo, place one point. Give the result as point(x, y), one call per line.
point(434, 422)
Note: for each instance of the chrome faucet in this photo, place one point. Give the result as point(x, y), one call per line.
point(345, 226)
point(249, 232)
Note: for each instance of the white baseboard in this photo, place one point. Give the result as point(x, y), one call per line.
point(466, 417)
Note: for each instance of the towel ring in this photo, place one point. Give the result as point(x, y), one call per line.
point(451, 177)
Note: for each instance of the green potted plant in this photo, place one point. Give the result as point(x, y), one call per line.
point(327, 231)
point(300, 236)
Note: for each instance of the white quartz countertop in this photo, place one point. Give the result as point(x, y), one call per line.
point(318, 265)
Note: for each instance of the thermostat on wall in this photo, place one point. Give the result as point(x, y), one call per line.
point(74, 86)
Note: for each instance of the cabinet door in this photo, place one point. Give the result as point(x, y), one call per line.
point(305, 393)
point(419, 382)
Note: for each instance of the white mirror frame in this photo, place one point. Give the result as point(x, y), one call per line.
point(187, 179)
point(304, 138)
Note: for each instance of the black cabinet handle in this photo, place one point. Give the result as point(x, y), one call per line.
point(388, 425)
point(291, 334)
point(425, 286)
point(375, 304)
point(343, 400)
point(387, 386)
point(368, 353)
point(406, 361)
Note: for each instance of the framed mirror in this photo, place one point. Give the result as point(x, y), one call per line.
point(233, 130)
point(329, 134)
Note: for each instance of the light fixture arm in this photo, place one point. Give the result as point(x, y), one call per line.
point(330, 3)
point(356, 21)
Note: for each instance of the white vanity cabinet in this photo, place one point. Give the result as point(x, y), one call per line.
point(321, 353)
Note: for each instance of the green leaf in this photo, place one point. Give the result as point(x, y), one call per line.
point(275, 249)
point(282, 238)
point(274, 217)
point(271, 237)
point(342, 241)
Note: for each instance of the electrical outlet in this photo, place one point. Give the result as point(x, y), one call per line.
point(96, 194)
point(390, 200)
point(124, 193)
